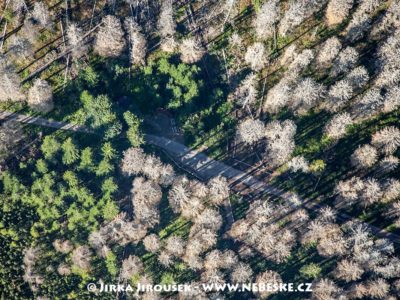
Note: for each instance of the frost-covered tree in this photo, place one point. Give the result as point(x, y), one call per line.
point(81, 257)
point(278, 96)
point(370, 104)
point(255, 56)
point(328, 51)
point(297, 13)
point(390, 21)
point(299, 163)
point(241, 273)
point(133, 161)
point(387, 140)
point(63, 246)
point(10, 83)
point(348, 270)
point(364, 157)
point(371, 193)
point(358, 77)
point(345, 61)
point(19, 47)
point(175, 246)
point(131, 266)
point(246, 93)
point(325, 289)
point(75, 41)
point(40, 14)
point(359, 25)
point(388, 164)
point(392, 100)
point(338, 95)
point(152, 243)
point(166, 26)
point(270, 277)
point(337, 11)
point(218, 190)
point(110, 40)
point(250, 131)
point(389, 62)
point(191, 50)
point(280, 142)
point(300, 63)
point(137, 42)
point(391, 189)
point(306, 95)
point(40, 96)
point(266, 19)
point(336, 128)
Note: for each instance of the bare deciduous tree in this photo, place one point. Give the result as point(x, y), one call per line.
point(137, 42)
point(40, 96)
point(278, 96)
point(191, 50)
point(64, 246)
point(246, 93)
point(152, 243)
point(329, 50)
point(133, 161)
point(299, 163)
point(266, 19)
point(338, 95)
point(306, 95)
point(388, 164)
point(41, 14)
point(75, 41)
point(81, 257)
point(336, 128)
point(250, 131)
point(387, 140)
point(337, 11)
point(325, 289)
point(10, 83)
point(241, 273)
point(348, 270)
point(218, 190)
point(392, 100)
point(345, 61)
point(268, 277)
point(364, 157)
point(131, 266)
point(358, 77)
point(167, 26)
point(256, 56)
point(110, 40)
point(280, 143)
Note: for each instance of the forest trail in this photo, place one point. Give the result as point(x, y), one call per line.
point(203, 166)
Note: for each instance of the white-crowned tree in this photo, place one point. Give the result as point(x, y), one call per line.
point(250, 131)
point(191, 50)
point(336, 128)
point(40, 96)
point(137, 42)
point(110, 41)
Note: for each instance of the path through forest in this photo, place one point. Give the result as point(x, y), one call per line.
point(203, 166)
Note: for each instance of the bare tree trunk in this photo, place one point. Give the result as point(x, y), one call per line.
point(93, 10)
point(4, 35)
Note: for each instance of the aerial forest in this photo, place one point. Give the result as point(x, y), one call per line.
point(166, 142)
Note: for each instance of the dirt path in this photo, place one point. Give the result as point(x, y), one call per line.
point(203, 166)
